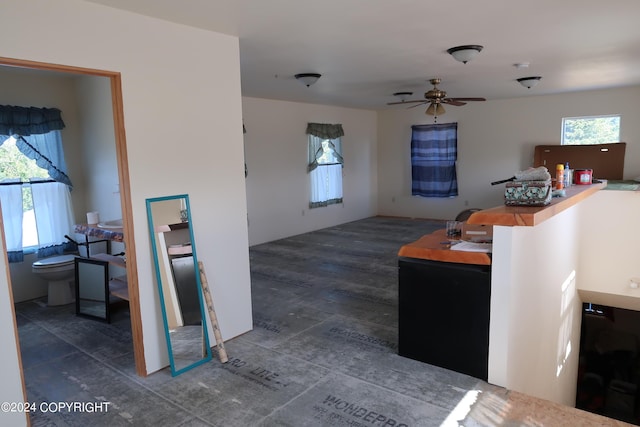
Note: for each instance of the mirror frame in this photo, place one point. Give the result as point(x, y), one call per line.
point(99, 282)
point(152, 233)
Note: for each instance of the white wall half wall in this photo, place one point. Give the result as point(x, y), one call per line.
point(168, 94)
point(535, 309)
point(278, 185)
point(495, 139)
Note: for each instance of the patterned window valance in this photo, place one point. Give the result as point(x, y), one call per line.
point(325, 131)
point(27, 121)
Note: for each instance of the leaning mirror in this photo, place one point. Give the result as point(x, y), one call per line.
point(178, 279)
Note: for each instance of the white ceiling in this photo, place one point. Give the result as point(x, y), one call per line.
point(368, 49)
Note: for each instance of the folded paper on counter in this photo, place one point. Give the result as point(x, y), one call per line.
point(471, 247)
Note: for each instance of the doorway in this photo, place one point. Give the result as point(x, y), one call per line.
point(123, 187)
point(609, 370)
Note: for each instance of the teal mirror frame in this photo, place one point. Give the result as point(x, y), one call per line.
point(182, 216)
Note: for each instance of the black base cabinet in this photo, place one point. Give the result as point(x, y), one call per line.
point(444, 314)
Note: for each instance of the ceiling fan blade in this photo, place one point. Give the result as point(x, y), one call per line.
point(468, 99)
point(453, 102)
point(418, 104)
point(421, 101)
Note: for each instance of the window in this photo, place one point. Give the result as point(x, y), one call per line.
point(36, 209)
point(326, 177)
point(434, 152)
point(325, 164)
point(16, 167)
point(590, 130)
point(34, 133)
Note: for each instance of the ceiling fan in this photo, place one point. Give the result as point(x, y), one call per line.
point(435, 98)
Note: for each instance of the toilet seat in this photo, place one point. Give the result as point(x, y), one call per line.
point(54, 262)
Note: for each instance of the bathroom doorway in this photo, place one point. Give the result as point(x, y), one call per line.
point(121, 187)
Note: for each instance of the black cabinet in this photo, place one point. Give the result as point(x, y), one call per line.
point(444, 314)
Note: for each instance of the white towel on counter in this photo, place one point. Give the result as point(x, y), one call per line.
point(540, 173)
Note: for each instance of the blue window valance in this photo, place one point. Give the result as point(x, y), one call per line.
point(37, 134)
point(25, 121)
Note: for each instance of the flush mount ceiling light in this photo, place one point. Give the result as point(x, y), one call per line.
point(403, 95)
point(308, 79)
point(465, 53)
point(529, 82)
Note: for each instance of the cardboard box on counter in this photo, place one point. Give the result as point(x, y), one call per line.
point(477, 233)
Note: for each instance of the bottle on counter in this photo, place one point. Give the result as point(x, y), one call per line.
point(568, 176)
point(559, 176)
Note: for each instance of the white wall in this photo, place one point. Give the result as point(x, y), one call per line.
point(534, 335)
point(495, 140)
point(175, 79)
point(98, 148)
point(611, 249)
point(278, 183)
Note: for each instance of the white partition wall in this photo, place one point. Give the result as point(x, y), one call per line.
point(535, 310)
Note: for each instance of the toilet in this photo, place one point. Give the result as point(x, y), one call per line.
point(59, 271)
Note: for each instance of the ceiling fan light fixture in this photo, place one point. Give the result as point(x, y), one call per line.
point(403, 95)
point(529, 82)
point(308, 79)
point(465, 53)
point(435, 110)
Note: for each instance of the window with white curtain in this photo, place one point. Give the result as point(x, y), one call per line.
point(30, 149)
point(15, 194)
point(37, 210)
point(325, 163)
point(326, 177)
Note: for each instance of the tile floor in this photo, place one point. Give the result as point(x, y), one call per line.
point(322, 353)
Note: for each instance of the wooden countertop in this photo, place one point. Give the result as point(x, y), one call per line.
point(432, 247)
point(534, 215)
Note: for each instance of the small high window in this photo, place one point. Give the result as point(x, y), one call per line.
point(590, 130)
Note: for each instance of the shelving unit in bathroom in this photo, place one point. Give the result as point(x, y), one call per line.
point(118, 286)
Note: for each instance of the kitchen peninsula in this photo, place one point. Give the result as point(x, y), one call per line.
point(534, 310)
